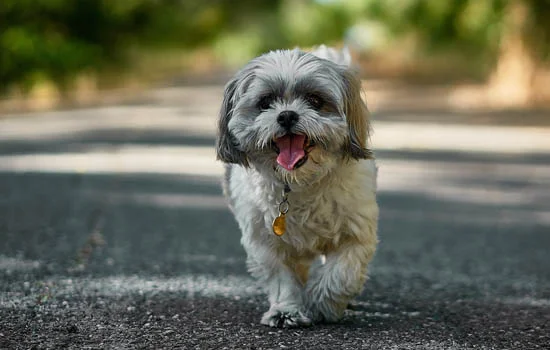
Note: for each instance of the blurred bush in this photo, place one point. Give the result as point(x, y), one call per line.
point(479, 30)
point(56, 40)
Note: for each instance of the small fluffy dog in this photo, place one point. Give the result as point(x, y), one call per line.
point(301, 181)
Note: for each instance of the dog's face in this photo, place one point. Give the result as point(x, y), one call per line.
point(293, 115)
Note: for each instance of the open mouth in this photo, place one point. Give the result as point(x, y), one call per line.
point(292, 150)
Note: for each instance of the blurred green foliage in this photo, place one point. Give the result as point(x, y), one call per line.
point(472, 27)
point(458, 24)
point(58, 39)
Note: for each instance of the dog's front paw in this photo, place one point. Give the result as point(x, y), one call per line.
point(285, 318)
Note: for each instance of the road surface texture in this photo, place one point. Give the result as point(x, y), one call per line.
point(114, 234)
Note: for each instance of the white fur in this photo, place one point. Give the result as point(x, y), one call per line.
point(342, 57)
point(319, 264)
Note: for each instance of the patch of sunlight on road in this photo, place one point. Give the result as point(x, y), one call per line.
point(463, 182)
point(527, 301)
point(129, 158)
point(232, 286)
point(163, 200)
point(202, 121)
point(12, 264)
point(459, 182)
point(461, 138)
point(71, 124)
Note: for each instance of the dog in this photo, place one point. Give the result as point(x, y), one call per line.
point(301, 181)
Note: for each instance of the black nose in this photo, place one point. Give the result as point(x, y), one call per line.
point(287, 119)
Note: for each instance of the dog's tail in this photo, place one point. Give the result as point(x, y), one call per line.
point(339, 56)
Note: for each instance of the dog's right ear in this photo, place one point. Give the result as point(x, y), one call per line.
point(226, 148)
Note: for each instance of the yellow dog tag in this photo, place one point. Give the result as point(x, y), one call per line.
point(279, 225)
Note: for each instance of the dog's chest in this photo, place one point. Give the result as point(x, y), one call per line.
point(319, 214)
point(320, 221)
point(317, 218)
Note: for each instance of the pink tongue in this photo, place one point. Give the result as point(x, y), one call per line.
point(291, 149)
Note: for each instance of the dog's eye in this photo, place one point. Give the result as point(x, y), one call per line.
point(315, 101)
point(265, 102)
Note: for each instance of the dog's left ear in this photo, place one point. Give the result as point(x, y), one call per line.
point(226, 148)
point(357, 117)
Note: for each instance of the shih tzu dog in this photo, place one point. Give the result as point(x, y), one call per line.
point(301, 181)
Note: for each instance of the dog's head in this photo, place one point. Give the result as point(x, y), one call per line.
point(293, 114)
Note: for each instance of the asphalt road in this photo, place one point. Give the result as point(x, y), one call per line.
point(114, 235)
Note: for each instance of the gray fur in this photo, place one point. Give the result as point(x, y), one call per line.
point(332, 211)
point(226, 185)
point(245, 132)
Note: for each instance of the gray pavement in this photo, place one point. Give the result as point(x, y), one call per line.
point(114, 235)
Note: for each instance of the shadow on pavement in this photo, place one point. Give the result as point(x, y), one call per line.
point(112, 138)
point(510, 117)
point(138, 260)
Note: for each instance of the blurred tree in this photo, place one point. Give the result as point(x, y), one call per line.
point(513, 36)
point(524, 52)
point(57, 39)
point(441, 25)
point(285, 24)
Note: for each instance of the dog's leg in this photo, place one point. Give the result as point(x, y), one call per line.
point(333, 284)
point(283, 287)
